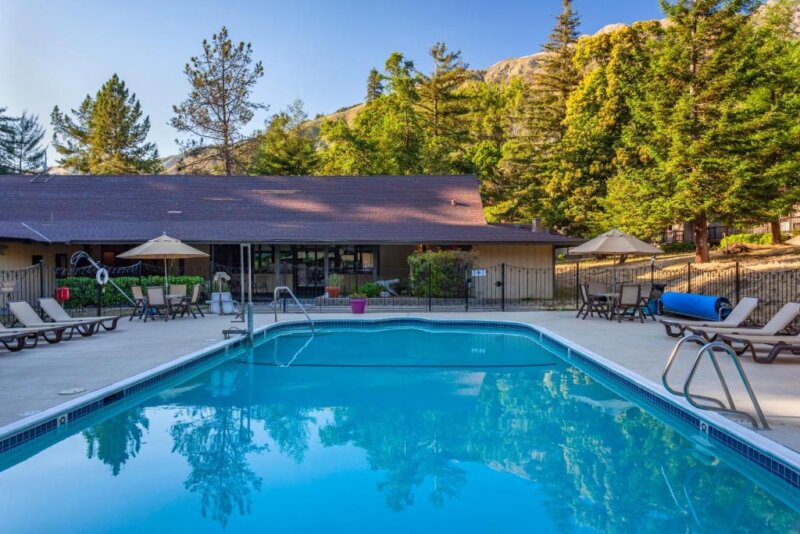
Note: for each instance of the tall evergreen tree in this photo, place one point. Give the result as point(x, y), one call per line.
point(374, 85)
point(680, 144)
point(106, 134)
point(5, 131)
point(21, 145)
point(529, 157)
point(442, 108)
point(219, 105)
point(285, 149)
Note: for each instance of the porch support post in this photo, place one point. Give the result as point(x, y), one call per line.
point(276, 264)
point(325, 263)
point(376, 254)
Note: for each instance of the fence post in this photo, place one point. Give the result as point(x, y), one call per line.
point(652, 271)
point(430, 286)
point(577, 284)
point(503, 287)
point(738, 282)
point(688, 277)
point(41, 279)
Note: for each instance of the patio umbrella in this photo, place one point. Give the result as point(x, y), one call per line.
point(164, 248)
point(615, 243)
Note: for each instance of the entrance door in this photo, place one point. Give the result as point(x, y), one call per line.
point(309, 271)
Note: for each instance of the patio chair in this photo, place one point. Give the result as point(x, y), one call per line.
point(53, 309)
point(772, 345)
point(650, 302)
point(139, 302)
point(190, 304)
point(737, 316)
point(177, 289)
point(591, 304)
point(779, 321)
point(629, 304)
point(27, 317)
point(157, 303)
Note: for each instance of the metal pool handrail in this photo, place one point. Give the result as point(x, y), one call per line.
point(285, 289)
point(719, 406)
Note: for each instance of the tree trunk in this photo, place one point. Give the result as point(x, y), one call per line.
point(777, 236)
point(701, 252)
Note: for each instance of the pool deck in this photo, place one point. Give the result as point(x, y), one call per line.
point(34, 380)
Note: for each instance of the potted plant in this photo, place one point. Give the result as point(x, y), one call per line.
point(334, 287)
point(358, 302)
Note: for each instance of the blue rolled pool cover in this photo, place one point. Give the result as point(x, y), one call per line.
point(700, 306)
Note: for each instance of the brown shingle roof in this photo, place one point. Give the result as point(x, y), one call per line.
point(270, 209)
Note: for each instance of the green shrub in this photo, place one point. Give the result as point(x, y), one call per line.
point(335, 280)
point(679, 247)
point(83, 291)
point(442, 272)
point(750, 239)
point(370, 289)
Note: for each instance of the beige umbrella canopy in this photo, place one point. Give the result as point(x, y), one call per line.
point(615, 243)
point(164, 248)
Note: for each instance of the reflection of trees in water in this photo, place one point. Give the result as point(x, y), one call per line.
point(117, 439)
point(597, 460)
point(287, 426)
point(215, 442)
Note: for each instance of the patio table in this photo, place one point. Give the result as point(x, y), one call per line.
point(612, 299)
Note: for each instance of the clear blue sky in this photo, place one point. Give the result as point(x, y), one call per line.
point(56, 52)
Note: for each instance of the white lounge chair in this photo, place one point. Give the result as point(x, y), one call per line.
point(58, 314)
point(779, 321)
point(772, 345)
point(735, 318)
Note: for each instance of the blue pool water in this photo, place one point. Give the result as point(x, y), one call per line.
point(383, 429)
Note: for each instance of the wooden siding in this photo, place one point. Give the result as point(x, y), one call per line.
point(529, 269)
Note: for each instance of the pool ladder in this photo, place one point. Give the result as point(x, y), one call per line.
point(714, 404)
point(284, 289)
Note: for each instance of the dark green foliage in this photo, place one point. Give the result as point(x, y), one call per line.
point(374, 85)
point(219, 105)
point(83, 291)
point(106, 134)
point(5, 129)
point(285, 148)
point(370, 289)
point(21, 148)
point(679, 247)
point(440, 274)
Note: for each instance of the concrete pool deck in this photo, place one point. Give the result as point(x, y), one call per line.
point(33, 380)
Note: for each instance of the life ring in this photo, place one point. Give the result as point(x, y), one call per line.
point(101, 276)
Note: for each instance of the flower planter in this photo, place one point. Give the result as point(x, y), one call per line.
point(358, 305)
point(333, 292)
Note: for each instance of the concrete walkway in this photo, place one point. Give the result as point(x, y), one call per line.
point(30, 381)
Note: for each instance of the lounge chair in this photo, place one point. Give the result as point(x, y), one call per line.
point(735, 318)
point(190, 304)
point(591, 304)
point(27, 317)
point(139, 302)
point(53, 309)
point(779, 321)
point(772, 345)
point(17, 339)
point(157, 303)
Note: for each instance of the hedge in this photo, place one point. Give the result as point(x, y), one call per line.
point(442, 272)
point(750, 239)
point(83, 291)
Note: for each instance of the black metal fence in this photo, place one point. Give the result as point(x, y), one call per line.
point(773, 288)
point(499, 287)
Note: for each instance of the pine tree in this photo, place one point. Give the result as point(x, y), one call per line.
point(106, 134)
point(679, 167)
point(5, 131)
point(285, 149)
point(442, 109)
point(21, 145)
point(222, 80)
point(374, 85)
point(529, 156)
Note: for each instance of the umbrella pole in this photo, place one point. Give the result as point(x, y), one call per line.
point(166, 291)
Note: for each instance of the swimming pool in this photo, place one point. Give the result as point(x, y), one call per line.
point(385, 426)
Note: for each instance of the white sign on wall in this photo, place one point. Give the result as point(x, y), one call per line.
point(478, 272)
